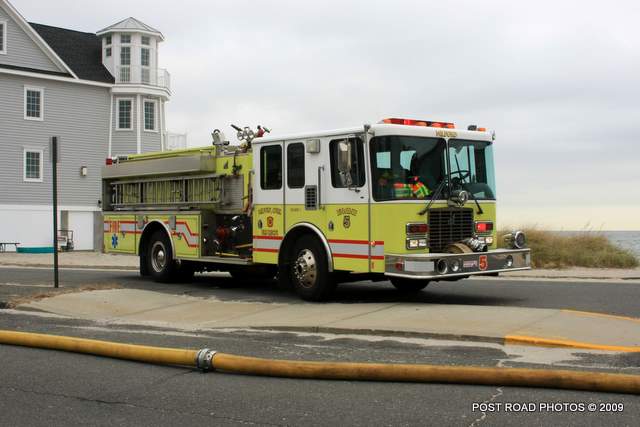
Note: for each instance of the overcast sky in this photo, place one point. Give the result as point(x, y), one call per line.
point(559, 82)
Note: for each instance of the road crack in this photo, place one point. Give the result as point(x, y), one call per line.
point(210, 415)
point(484, 413)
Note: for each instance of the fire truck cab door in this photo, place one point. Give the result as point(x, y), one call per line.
point(268, 213)
point(345, 197)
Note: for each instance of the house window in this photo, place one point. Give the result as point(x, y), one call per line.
point(32, 165)
point(125, 38)
point(3, 37)
point(108, 40)
point(124, 114)
point(125, 55)
point(150, 116)
point(144, 57)
point(33, 103)
point(146, 40)
point(107, 52)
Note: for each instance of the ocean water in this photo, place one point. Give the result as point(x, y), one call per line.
point(625, 239)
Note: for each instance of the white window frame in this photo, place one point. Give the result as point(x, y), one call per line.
point(34, 89)
point(142, 40)
point(118, 128)
point(24, 164)
point(3, 51)
point(155, 115)
point(130, 39)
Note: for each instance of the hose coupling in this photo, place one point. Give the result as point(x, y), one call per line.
point(204, 359)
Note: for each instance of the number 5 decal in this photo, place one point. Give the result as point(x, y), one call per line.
point(483, 262)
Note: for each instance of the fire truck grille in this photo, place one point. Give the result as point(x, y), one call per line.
point(447, 225)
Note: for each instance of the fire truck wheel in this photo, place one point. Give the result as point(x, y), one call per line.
point(161, 264)
point(309, 270)
point(408, 285)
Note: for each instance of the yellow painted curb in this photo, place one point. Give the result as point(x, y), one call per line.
point(606, 316)
point(549, 342)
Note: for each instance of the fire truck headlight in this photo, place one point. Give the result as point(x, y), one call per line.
point(516, 240)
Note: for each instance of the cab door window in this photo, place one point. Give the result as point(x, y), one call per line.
point(356, 177)
point(271, 167)
point(295, 165)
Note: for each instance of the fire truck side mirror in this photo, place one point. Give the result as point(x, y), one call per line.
point(344, 157)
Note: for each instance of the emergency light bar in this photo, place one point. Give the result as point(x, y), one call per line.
point(412, 122)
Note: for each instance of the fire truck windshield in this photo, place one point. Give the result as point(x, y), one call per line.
point(411, 167)
point(471, 164)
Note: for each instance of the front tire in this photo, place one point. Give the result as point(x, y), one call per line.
point(309, 270)
point(409, 286)
point(160, 262)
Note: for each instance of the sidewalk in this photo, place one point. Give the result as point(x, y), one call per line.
point(128, 262)
point(509, 325)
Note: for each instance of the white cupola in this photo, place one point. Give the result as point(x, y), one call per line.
point(130, 53)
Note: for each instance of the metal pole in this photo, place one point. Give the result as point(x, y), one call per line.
point(54, 171)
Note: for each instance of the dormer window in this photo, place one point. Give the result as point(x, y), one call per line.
point(107, 40)
point(125, 38)
point(3, 37)
point(146, 40)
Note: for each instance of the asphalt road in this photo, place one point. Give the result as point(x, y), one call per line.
point(48, 388)
point(39, 387)
point(618, 298)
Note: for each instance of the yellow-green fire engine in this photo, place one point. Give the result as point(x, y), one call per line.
point(412, 201)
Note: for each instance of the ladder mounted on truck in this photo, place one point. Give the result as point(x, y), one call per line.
point(182, 180)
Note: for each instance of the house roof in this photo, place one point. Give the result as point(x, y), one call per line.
point(133, 25)
point(82, 52)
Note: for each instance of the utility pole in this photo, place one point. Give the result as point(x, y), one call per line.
point(54, 172)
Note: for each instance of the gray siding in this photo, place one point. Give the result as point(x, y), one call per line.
point(79, 115)
point(124, 141)
point(22, 50)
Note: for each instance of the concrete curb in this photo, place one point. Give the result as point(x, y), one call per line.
point(79, 267)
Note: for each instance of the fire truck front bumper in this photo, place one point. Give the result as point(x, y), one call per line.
point(443, 266)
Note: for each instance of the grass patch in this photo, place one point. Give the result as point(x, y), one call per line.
point(582, 249)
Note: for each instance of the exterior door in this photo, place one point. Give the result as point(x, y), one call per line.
point(268, 213)
point(347, 206)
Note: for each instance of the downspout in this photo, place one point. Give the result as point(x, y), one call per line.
point(110, 123)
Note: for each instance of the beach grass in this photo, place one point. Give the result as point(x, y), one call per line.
point(581, 249)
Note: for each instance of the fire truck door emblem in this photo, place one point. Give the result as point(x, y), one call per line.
point(269, 221)
point(346, 221)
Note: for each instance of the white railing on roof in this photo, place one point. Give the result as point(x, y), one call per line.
point(130, 74)
point(175, 141)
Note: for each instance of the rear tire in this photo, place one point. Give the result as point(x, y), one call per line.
point(409, 286)
point(160, 262)
point(309, 271)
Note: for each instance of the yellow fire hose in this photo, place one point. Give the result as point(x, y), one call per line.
point(206, 359)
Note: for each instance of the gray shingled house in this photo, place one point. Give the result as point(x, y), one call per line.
point(102, 94)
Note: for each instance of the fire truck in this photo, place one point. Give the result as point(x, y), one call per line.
point(410, 201)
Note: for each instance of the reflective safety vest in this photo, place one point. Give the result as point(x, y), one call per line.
point(414, 189)
point(418, 189)
point(403, 191)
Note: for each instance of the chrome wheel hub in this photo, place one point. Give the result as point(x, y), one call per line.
point(305, 269)
point(158, 256)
